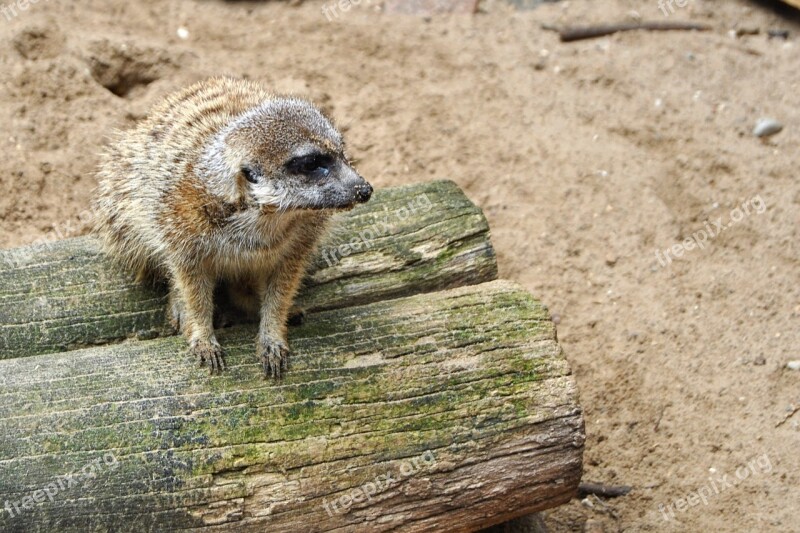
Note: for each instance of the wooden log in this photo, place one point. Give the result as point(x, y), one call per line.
point(449, 411)
point(407, 240)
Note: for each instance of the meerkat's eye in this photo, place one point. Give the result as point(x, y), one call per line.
point(249, 174)
point(312, 165)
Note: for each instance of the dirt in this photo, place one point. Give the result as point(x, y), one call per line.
point(590, 160)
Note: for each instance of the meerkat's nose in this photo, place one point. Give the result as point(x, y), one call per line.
point(363, 192)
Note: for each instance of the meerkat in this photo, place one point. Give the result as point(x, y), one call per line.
point(226, 183)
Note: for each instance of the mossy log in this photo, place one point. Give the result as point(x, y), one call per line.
point(407, 240)
point(448, 411)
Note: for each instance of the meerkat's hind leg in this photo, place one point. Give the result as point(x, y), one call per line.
point(297, 316)
point(143, 275)
point(228, 307)
point(146, 274)
point(176, 310)
point(135, 257)
point(243, 294)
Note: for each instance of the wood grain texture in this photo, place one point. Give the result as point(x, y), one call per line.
point(448, 411)
point(407, 240)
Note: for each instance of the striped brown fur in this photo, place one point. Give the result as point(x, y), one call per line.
point(225, 182)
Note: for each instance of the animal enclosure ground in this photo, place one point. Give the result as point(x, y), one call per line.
point(594, 161)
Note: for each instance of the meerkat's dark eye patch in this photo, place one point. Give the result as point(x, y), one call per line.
point(315, 165)
point(249, 174)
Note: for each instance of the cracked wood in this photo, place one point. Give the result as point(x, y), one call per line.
point(472, 376)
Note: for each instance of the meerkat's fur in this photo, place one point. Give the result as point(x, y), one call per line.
point(225, 182)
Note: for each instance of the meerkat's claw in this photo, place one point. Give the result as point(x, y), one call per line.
point(211, 353)
point(274, 357)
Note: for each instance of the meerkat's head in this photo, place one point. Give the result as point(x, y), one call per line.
point(285, 154)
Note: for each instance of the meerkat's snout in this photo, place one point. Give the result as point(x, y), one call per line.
point(356, 189)
point(324, 180)
point(363, 192)
point(315, 181)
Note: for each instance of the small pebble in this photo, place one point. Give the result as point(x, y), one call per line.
point(183, 33)
point(793, 365)
point(766, 127)
point(778, 34)
point(760, 361)
point(556, 318)
point(747, 30)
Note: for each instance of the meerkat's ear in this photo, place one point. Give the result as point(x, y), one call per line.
point(244, 179)
point(220, 168)
point(243, 189)
point(249, 174)
point(229, 185)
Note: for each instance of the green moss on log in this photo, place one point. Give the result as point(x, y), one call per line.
point(472, 375)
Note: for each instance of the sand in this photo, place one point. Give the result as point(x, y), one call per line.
point(590, 159)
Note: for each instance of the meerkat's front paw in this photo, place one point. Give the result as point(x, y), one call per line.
point(274, 356)
point(208, 351)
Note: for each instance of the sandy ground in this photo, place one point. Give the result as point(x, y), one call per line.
point(586, 157)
